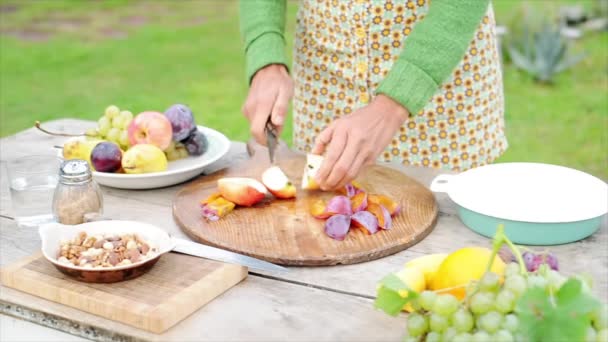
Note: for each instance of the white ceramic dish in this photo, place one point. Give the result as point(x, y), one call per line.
point(52, 235)
point(178, 171)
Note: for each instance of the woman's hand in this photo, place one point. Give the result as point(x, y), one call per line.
point(356, 140)
point(270, 92)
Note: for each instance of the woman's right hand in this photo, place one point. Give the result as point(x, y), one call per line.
point(269, 95)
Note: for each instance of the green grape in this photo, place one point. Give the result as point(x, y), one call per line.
point(91, 133)
point(511, 269)
point(449, 334)
point(599, 317)
point(516, 284)
point(410, 339)
point(482, 302)
point(481, 336)
point(489, 282)
point(505, 301)
point(503, 336)
point(438, 323)
point(490, 321)
point(463, 320)
point(127, 116)
point(462, 337)
point(427, 300)
point(445, 305)
point(590, 335)
point(111, 112)
point(113, 135)
point(103, 125)
point(511, 323)
point(123, 139)
point(554, 280)
point(117, 122)
point(417, 324)
point(535, 280)
point(602, 335)
point(433, 337)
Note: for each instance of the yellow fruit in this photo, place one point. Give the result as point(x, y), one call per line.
point(414, 279)
point(313, 163)
point(79, 149)
point(428, 264)
point(144, 158)
point(462, 266)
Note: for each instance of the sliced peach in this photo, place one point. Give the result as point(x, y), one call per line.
point(338, 205)
point(217, 208)
point(275, 180)
point(392, 206)
point(242, 191)
point(313, 163)
point(382, 214)
point(365, 221)
point(359, 202)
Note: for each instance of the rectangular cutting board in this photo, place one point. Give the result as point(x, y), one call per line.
point(174, 288)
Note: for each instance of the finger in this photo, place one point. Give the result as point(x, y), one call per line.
point(260, 117)
point(344, 165)
point(354, 170)
point(279, 110)
point(323, 139)
point(334, 151)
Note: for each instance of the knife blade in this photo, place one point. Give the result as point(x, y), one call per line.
point(213, 253)
point(271, 139)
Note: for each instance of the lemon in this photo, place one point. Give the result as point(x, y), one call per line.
point(462, 266)
point(428, 264)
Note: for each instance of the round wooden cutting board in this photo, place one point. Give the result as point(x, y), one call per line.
point(284, 232)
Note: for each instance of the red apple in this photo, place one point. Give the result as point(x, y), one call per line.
point(150, 128)
point(242, 191)
point(277, 183)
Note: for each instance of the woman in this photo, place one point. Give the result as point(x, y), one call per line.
point(412, 81)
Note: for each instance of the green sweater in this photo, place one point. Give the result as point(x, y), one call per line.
point(433, 49)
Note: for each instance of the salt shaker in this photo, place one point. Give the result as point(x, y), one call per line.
point(77, 195)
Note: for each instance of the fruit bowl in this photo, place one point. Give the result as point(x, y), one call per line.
point(178, 171)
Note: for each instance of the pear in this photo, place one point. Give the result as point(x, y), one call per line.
point(144, 158)
point(79, 149)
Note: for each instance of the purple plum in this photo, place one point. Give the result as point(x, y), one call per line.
point(106, 157)
point(182, 121)
point(196, 143)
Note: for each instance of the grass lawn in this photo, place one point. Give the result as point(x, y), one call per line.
point(62, 58)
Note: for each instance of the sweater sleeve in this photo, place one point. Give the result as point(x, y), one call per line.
point(432, 51)
point(262, 26)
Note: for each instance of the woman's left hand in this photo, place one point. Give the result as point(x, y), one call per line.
point(357, 140)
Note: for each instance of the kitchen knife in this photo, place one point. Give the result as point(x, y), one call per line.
point(271, 139)
point(208, 252)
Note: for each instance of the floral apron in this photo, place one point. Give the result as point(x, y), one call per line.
point(344, 49)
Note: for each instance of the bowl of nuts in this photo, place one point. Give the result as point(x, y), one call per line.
point(104, 251)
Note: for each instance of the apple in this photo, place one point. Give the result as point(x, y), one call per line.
point(150, 128)
point(277, 183)
point(242, 191)
point(313, 164)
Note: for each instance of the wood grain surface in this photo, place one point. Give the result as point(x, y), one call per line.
point(284, 232)
point(174, 288)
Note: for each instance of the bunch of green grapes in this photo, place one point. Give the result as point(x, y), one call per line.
point(112, 126)
point(176, 150)
point(488, 311)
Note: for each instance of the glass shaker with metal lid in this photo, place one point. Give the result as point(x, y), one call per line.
point(77, 195)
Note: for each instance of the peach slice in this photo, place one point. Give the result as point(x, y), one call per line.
point(365, 221)
point(313, 163)
point(382, 214)
point(359, 202)
point(393, 207)
point(216, 207)
point(275, 180)
point(338, 205)
point(242, 191)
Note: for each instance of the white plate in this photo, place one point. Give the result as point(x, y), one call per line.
point(178, 171)
point(52, 234)
point(529, 192)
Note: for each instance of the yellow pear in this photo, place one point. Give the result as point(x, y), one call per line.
point(79, 149)
point(144, 158)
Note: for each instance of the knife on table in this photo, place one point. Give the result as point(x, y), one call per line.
point(208, 252)
point(271, 139)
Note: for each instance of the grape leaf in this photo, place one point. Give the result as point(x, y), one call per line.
point(563, 317)
point(388, 298)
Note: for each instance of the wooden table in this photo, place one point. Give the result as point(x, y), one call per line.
point(309, 303)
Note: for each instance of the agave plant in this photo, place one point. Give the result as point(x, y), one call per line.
point(543, 53)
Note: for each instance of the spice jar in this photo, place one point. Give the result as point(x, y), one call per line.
point(77, 195)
